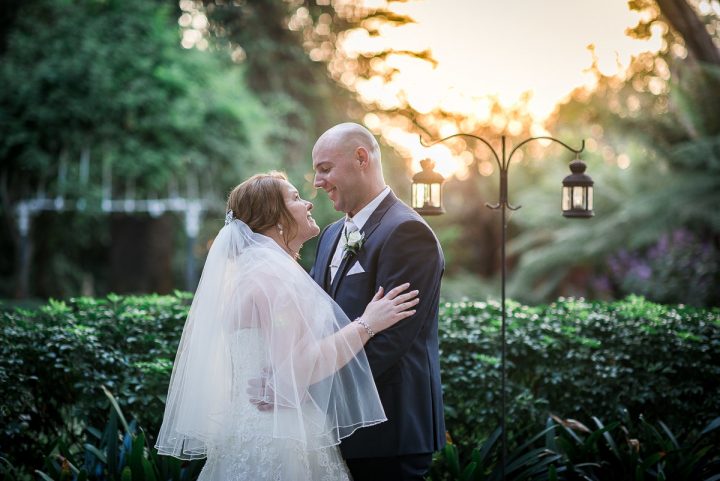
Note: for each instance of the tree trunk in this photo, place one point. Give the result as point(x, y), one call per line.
point(685, 21)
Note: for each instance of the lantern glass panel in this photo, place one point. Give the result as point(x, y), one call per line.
point(590, 198)
point(435, 195)
point(417, 193)
point(566, 195)
point(578, 198)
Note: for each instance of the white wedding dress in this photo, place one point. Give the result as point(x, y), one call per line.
point(247, 451)
point(257, 313)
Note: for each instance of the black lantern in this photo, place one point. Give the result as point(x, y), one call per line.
point(427, 190)
point(577, 193)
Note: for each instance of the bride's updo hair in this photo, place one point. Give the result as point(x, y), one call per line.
point(260, 203)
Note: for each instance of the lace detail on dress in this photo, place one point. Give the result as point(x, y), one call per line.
point(247, 451)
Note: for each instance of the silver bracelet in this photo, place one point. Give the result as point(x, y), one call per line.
point(364, 324)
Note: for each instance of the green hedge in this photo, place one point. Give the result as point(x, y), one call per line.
point(571, 358)
point(54, 360)
point(575, 358)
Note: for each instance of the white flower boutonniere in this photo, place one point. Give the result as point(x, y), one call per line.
point(353, 242)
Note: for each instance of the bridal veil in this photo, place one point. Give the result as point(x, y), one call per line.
point(318, 381)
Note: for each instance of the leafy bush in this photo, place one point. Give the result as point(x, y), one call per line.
point(119, 452)
point(568, 449)
point(563, 449)
point(579, 358)
point(53, 361)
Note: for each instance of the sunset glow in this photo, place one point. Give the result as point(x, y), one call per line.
point(484, 48)
point(523, 54)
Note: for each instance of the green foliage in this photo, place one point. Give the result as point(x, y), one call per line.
point(571, 358)
point(120, 452)
point(579, 358)
point(563, 449)
point(678, 268)
point(568, 449)
point(53, 360)
point(109, 82)
point(671, 184)
point(112, 78)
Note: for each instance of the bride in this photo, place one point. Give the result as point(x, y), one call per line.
point(257, 313)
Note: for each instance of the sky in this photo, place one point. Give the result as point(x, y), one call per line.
point(502, 49)
point(505, 48)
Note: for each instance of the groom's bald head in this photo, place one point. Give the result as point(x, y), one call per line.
point(347, 164)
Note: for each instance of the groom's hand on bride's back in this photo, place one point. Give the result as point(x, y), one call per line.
point(259, 393)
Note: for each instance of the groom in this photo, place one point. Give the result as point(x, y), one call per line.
point(382, 242)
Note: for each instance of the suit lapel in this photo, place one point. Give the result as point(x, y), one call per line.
point(372, 223)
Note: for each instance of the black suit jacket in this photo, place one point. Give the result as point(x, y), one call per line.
point(399, 247)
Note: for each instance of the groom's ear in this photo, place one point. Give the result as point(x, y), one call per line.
point(362, 157)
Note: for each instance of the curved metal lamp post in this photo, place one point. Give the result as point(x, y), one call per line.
point(577, 199)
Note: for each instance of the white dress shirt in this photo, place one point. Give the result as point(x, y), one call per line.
point(353, 223)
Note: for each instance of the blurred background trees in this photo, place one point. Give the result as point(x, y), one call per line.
point(155, 99)
point(100, 100)
point(658, 229)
